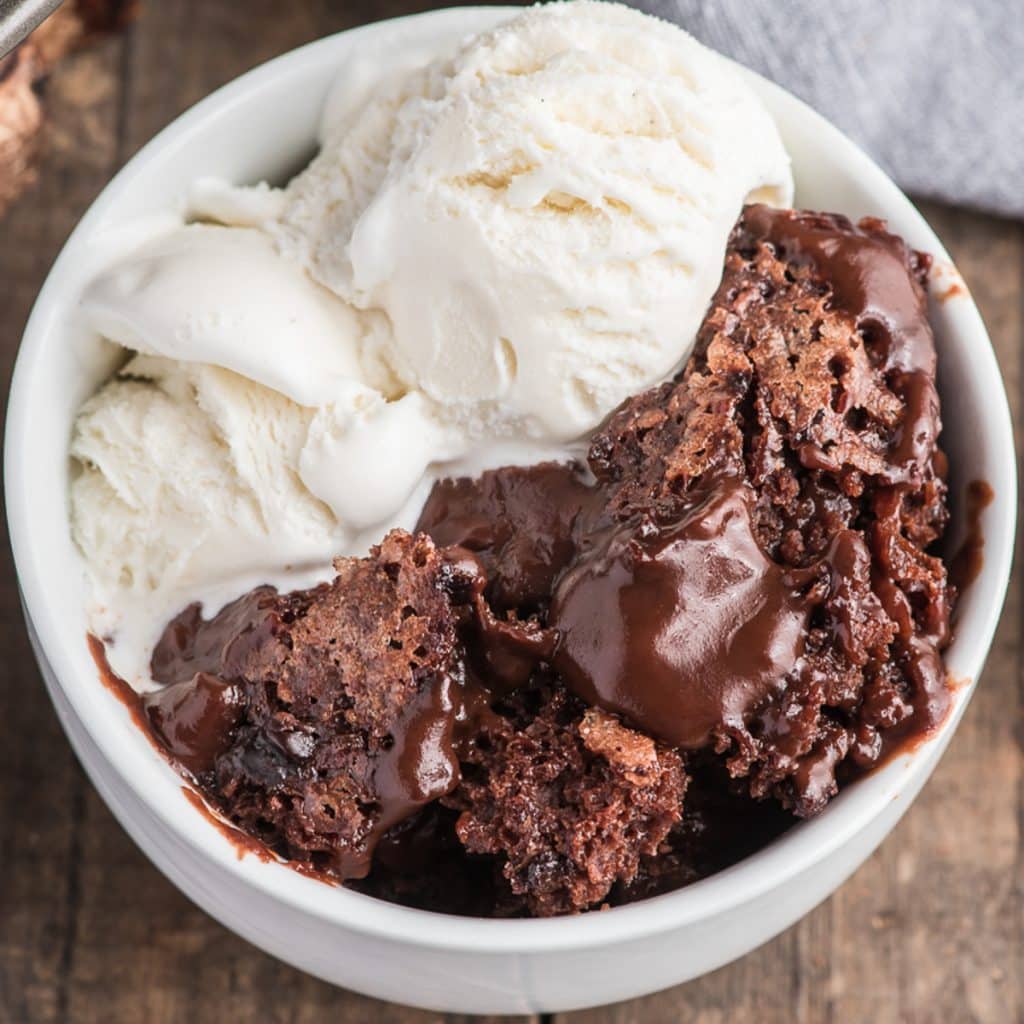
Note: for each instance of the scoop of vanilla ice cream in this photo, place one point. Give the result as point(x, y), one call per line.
point(188, 473)
point(486, 258)
point(365, 458)
point(203, 296)
point(543, 218)
point(226, 297)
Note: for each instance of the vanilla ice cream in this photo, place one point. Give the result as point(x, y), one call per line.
point(488, 255)
point(543, 218)
point(225, 297)
point(188, 474)
point(192, 471)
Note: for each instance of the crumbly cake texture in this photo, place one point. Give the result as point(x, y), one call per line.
point(327, 690)
point(403, 728)
point(568, 799)
point(326, 677)
point(785, 391)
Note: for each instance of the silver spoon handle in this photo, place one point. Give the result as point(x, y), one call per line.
point(19, 17)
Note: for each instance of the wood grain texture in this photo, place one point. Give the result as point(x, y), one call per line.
point(42, 791)
point(931, 929)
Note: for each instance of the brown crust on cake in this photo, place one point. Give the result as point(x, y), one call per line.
point(331, 682)
point(568, 799)
point(786, 391)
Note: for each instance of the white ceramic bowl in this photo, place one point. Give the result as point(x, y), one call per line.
point(264, 125)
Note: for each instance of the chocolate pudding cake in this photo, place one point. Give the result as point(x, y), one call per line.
point(576, 685)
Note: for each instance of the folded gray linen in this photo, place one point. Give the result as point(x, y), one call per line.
point(932, 89)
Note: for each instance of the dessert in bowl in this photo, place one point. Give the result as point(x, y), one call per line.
point(667, 500)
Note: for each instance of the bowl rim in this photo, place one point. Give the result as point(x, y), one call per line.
point(796, 851)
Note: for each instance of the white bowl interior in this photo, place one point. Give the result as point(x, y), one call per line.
point(264, 126)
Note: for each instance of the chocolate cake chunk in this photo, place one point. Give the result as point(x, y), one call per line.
point(747, 571)
point(721, 824)
point(568, 798)
point(815, 357)
point(319, 719)
point(796, 462)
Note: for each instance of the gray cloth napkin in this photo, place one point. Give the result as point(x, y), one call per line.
point(932, 89)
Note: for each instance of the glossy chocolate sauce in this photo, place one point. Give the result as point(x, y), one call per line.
point(199, 707)
point(119, 687)
point(207, 666)
point(523, 524)
point(193, 719)
point(869, 280)
point(681, 628)
point(244, 844)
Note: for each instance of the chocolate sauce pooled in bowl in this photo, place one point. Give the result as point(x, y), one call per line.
point(523, 523)
point(571, 679)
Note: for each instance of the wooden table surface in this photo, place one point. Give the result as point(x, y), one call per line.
point(930, 929)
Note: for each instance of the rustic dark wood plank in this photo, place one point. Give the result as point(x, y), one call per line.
point(42, 791)
point(931, 929)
